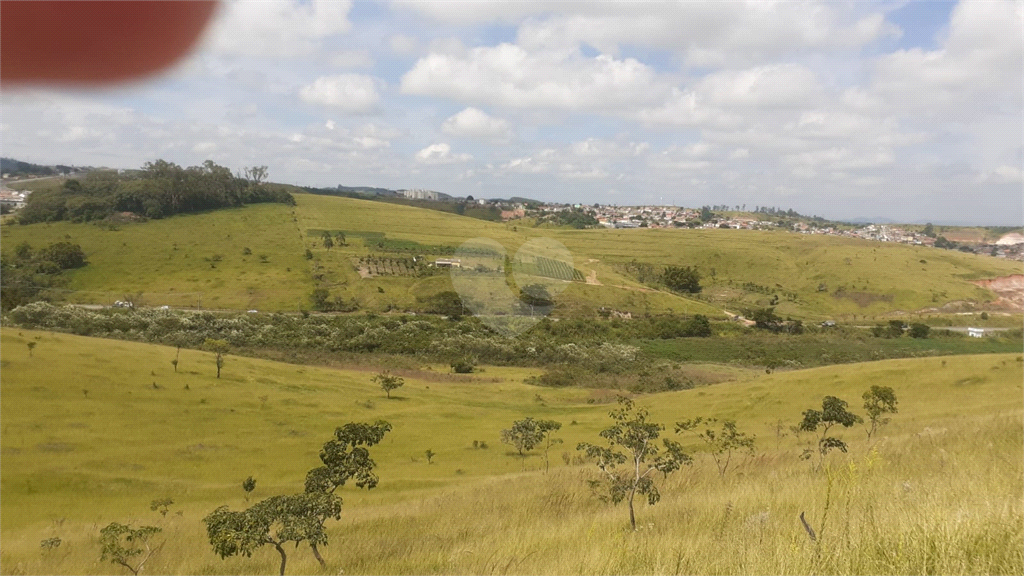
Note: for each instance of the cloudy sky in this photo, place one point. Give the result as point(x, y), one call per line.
point(910, 111)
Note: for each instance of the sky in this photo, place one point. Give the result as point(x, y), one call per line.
point(907, 111)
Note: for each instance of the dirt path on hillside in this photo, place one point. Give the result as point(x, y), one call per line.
point(592, 278)
point(1010, 290)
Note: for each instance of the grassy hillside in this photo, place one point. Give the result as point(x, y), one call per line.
point(177, 260)
point(858, 277)
point(811, 276)
point(939, 491)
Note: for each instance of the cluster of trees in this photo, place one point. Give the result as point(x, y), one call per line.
point(629, 459)
point(158, 190)
point(685, 279)
point(896, 328)
point(528, 433)
point(767, 319)
point(943, 242)
point(630, 456)
point(879, 401)
point(26, 272)
point(19, 168)
point(681, 279)
point(576, 218)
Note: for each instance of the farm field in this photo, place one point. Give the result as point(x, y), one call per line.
point(180, 259)
point(937, 490)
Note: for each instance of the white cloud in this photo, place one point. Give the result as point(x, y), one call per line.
point(775, 86)
point(353, 93)
point(349, 59)
point(704, 33)
point(713, 33)
point(1003, 174)
point(686, 108)
point(980, 60)
point(403, 45)
point(475, 123)
point(509, 76)
point(440, 154)
point(277, 28)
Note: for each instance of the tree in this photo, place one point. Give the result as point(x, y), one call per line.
point(121, 543)
point(178, 342)
point(162, 505)
point(346, 457)
point(878, 401)
point(527, 434)
point(388, 382)
point(31, 346)
point(256, 175)
point(64, 254)
point(218, 347)
point(23, 251)
point(918, 330)
point(430, 455)
point(682, 279)
point(706, 214)
point(723, 442)
point(699, 326)
point(340, 238)
point(249, 484)
point(766, 319)
point(327, 241)
point(301, 517)
point(547, 428)
point(447, 303)
point(536, 295)
point(639, 456)
point(276, 521)
point(833, 411)
point(928, 230)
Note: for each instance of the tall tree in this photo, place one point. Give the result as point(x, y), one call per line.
point(682, 279)
point(388, 382)
point(631, 446)
point(833, 413)
point(219, 348)
point(299, 518)
point(879, 401)
point(723, 441)
point(528, 433)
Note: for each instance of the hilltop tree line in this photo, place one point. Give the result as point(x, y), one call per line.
point(19, 168)
point(158, 190)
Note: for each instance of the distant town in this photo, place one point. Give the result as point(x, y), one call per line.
point(1009, 245)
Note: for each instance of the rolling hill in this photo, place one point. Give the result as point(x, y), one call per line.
point(253, 257)
point(94, 430)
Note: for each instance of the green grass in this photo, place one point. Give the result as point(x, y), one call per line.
point(820, 348)
point(178, 260)
point(861, 280)
point(938, 492)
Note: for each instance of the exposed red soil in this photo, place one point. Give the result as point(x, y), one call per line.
point(1010, 290)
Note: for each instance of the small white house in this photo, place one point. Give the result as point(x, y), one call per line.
point(976, 332)
point(448, 263)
